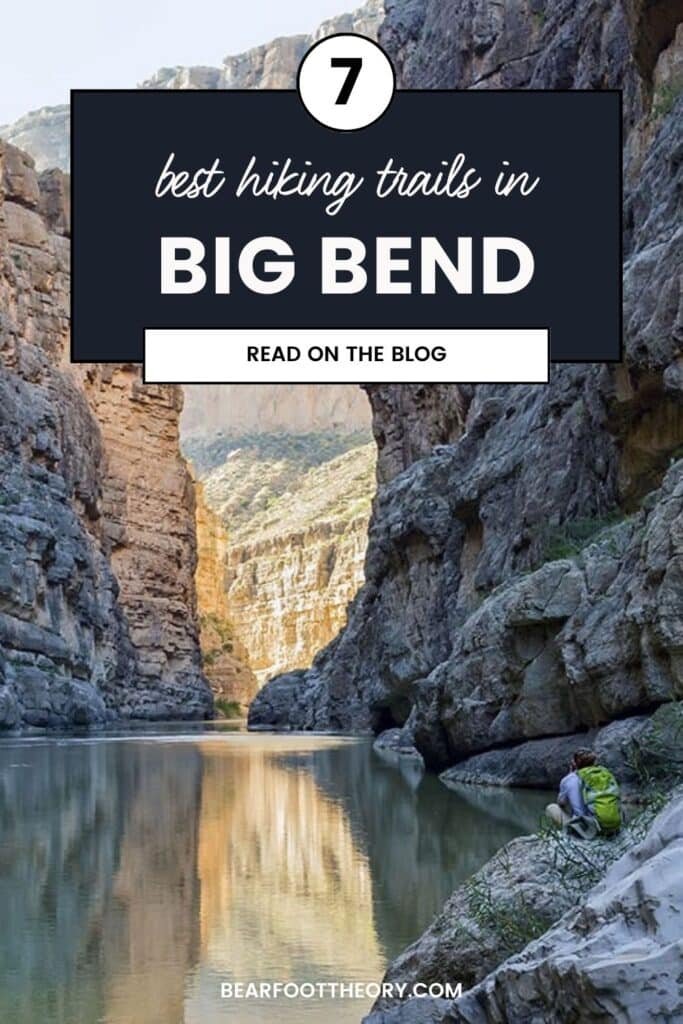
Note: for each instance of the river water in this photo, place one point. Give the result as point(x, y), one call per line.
point(139, 871)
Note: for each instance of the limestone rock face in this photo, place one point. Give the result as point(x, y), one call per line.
point(272, 66)
point(617, 956)
point(97, 554)
point(149, 525)
point(237, 410)
point(224, 658)
point(645, 747)
point(295, 515)
point(487, 617)
point(44, 133)
point(615, 952)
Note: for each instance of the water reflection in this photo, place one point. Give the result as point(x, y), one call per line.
point(136, 874)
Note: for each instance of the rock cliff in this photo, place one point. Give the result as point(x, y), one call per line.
point(97, 550)
point(44, 133)
point(224, 658)
point(215, 411)
point(523, 568)
point(293, 509)
point(292, 569)
point(273, 66)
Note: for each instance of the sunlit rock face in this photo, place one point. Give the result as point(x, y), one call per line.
point(292, 569)
point(149, 508)
point(97, 545)
point(224, 658)
point(44, 133)
point(294, 509)
point(238, 410)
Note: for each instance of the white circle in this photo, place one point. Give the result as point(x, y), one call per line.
point(346, 96)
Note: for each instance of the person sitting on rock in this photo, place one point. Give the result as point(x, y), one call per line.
point(588, 801)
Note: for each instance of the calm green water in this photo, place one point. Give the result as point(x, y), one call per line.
point(138, 872)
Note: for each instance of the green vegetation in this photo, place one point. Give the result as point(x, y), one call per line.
point(212, 624)
point(581, 864)
point(302, 450)
point(664, 98)
point(571, 538)
point(654, 758)
point(228, 708)
point(359, 507)
point(539, 19)
point(259, 499)
point(676, 454)
point(512, 919)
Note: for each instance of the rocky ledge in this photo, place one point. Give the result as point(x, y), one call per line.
point(614, 953)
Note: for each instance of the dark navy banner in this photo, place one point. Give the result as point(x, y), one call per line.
point(238, 211)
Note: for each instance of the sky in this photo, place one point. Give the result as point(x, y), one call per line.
point(50, 48)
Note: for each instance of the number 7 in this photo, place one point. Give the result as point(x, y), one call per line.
point(354, 64)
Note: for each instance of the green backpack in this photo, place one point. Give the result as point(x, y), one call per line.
point(601, 796)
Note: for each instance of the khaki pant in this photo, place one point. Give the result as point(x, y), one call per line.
point(585, 828)
point(557, 817)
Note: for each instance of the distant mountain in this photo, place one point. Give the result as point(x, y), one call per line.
point(44, 133)
point(215, 413)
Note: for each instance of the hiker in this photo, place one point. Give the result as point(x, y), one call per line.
point(588, 802)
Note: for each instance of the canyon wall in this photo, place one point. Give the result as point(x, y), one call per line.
point(224, 657)
point(292, 569)
point(97, 544)
point(289, 591)
point(284, 533)
point(44, 133)
point(524, 559)
point(272, 66)
point(237, 410)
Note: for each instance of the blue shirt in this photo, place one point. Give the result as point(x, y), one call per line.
point(571, 795)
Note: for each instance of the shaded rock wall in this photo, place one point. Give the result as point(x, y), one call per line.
point(526, 475)
point(96, 516)
point(409, 420)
